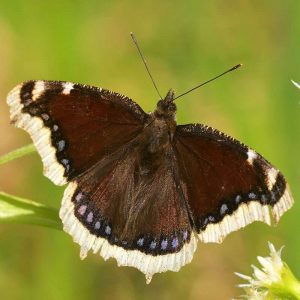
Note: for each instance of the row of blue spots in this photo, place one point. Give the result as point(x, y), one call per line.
point(225, 209)
point(163, 243)
point(90, 217)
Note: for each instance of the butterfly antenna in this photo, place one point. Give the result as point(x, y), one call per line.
point(144, 61)
point(196, 87)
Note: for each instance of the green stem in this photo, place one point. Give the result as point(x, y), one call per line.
point(17, 153)
point(290, 284)
point(18, 210)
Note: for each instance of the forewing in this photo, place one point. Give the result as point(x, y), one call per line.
point(72, 125)
point(226, 184)
point(140, 219)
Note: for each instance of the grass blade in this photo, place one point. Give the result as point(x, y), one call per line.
point(18, 210)
point(17, 153)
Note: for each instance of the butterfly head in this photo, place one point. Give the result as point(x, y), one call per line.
point(166, 107)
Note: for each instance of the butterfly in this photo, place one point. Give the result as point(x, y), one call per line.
point(141, 188)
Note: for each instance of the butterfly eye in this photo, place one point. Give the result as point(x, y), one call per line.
point(165, 109)
point(171, 107)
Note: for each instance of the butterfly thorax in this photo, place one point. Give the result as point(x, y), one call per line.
point(154, 142)
point(153, 147)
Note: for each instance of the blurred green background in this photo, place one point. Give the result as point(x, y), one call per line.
point(185, 43)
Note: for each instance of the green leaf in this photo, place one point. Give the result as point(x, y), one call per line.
point(18, 210)
point(17, 153)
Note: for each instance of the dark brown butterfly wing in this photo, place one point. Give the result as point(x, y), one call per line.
point(226, 184)
point(134, 214)
point(121, 201)
point(133, 194)
point(73, 126)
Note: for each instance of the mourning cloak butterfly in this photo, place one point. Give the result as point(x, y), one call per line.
point(141, 188)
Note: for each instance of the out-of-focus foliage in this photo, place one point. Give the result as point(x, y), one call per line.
point(185, 43)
